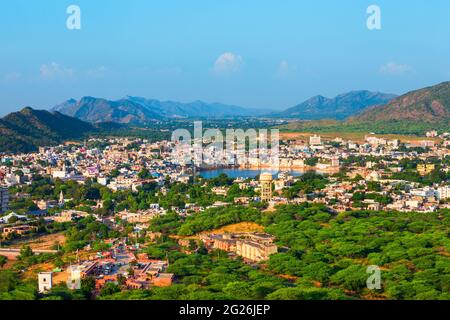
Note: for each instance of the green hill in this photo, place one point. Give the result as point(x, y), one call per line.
point(28, 129)
point(340, 107)
point(412, 113)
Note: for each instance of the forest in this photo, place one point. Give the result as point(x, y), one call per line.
point(322, 255)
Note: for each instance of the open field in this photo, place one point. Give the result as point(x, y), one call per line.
point(45, 242)
point(241, 227)
point(238, 228)
point(58, 277)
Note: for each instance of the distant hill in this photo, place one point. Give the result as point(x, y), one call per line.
point(339, 108)
point(95, 110)
point(431, 104)
point(28, 129)
point(171, 109)
point(138, 110)
point(412, 113)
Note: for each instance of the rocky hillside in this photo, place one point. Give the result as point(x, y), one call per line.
point(431, 104)
point(340, 107)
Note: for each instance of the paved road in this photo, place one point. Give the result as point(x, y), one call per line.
point(12, 252)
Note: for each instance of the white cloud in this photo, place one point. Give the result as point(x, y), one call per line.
point(55, 70)
point(392, 68)
point(227, 63)
point(285, 69)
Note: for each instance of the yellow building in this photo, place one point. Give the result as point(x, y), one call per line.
point(255, 251)
point(266, 186)
point(425, 169)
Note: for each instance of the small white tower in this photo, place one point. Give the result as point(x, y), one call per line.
point(45, 282)
point(74, 278)
point(61, 198)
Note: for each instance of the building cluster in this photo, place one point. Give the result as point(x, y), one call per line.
point(115, 163)
point(128, 164)
point(382, 162)
point(121, 265)
point(253, 247)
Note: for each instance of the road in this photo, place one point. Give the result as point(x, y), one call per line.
point(12, 253)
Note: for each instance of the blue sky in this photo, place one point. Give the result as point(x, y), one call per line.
point(255, 53)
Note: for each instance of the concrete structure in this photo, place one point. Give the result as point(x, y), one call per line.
point(61, 201)
point(315, 140)
point(255, 251)
point(45, 282)
point(255, 247)
point(74, 278)
point(266, 186)
point(425, 169)
point(335, 162)
point(20, 230)
point(5, 219)
point(443, 193)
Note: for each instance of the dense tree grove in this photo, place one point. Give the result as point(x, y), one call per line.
point(307, 183)
point(321, 256)
point(333, 251)
point(411, 249)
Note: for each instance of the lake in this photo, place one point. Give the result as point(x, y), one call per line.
point(244, 173)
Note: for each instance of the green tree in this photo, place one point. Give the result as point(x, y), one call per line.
point(25, 252)
point(353, 278)
point(3, 261)
point(109, 288)
point(88, 286)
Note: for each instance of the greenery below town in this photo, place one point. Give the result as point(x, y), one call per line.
point(322, 256)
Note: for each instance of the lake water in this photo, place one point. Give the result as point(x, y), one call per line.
point(243, 173)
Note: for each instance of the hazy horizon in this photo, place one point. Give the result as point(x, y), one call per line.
point(173, 100)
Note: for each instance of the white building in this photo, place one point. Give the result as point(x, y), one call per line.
point(12, 179)
point(315, 140)
point(443, 193)
point(102, 180)
point(45, 282)
point(424, 192)
point(59, 174)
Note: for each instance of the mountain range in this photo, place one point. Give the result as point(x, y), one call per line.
point(413, 112)
point(141, 111)
point(137, 110)
point(339, 108)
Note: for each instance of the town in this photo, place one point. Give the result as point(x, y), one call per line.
point(125, 189)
